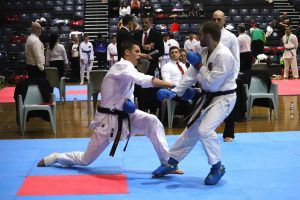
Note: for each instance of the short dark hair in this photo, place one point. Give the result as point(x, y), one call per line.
point(213, 29)
point(241, 28)
point(146, 16)
point(182, 50)
point(85, 35)
point(126, 19)
point(173, 47)
point(127, 45)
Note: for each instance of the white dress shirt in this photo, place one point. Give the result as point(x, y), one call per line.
point(34, 51)
point(229, 40)
point(171, 73)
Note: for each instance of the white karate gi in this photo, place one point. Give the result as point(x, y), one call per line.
point(112, 54)
point(290, 55)
point(166, 57)
point(117, 86)
point(220, 78)
point(189, 45)
point(87, 55)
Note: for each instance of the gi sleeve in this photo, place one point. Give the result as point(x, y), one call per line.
point(188, 79)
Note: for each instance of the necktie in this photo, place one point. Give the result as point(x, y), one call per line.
point(145, 37)
point(180, 68)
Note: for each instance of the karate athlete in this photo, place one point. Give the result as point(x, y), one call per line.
point(86, 57)
point(117, 116)
point(216, 76)
point(290, 43)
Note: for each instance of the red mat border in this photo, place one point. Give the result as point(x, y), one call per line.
point(292, 86)
point(74, 185)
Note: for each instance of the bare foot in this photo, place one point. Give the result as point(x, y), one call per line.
point(228, 139)
point(177, 171)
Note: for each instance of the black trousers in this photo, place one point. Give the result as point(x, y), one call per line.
point(34, 72)
point(245, 61)
point(257, 47)
point(60, 65)
point(238, 112)
point(102, 60)
point(75, 65)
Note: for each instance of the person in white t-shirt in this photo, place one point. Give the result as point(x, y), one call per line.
point(56, 55)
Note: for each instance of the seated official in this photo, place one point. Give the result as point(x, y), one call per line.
point(173, 72)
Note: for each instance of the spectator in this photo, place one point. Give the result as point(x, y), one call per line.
point(112, 52)
point(182, 57)
point(245, 49)
point(136, 8)
point(257, 40)
point(147, 8)
point(165, 58)
point(86, 57)
point(100, 50)
point(124, 9)
point(189, 44)
point(285, 19)
point(56, 55)
point(113, 8)
point(290, 43)
point(75, 58)
point(172, 41)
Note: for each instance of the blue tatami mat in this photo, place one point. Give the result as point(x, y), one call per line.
point(259, 166)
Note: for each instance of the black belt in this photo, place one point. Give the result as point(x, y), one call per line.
point(209, 97)
point(121, 116)
point(289, 49)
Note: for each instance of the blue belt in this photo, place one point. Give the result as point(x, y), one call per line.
point(89, 57)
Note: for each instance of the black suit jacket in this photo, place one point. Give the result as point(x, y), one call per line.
point(156, 38)
point(123, 35)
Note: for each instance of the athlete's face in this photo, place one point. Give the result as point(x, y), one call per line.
point(134, 54)
point(203, 38)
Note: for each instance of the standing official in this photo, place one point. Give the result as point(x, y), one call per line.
point(34, 52)
point(230, 41)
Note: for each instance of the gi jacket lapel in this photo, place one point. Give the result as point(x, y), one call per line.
point(209, 61)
